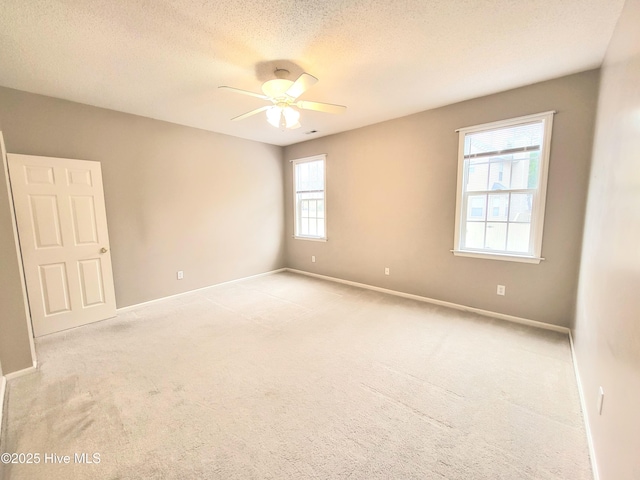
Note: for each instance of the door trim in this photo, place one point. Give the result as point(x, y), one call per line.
point(14, 225)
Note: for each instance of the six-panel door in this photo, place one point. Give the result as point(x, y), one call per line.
point(62, 227)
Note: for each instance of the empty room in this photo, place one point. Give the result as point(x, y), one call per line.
point(320, 240)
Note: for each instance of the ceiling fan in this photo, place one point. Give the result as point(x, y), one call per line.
point(283, 94)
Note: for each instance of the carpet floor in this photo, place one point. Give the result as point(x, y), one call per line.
point(289, 377)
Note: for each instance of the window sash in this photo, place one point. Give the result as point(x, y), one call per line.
point(486, 221)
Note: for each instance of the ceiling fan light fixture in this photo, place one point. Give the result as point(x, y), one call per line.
point(283, 117)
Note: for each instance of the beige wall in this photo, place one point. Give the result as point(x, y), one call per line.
point(15, 349)
point(177, 198)
point(391, 194)
point(607, 328)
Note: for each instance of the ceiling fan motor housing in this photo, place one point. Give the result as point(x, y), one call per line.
point(276, 88)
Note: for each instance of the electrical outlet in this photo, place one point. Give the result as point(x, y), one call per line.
point(180, 274)
point(313, 259)
point(501, 290)
point(600, 400)
point(386, 270)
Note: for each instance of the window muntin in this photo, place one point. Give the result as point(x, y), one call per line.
point(309, 197)
point(501, 188)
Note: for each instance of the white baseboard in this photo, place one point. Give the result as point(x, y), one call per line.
point(487, 313)
point(585, 414)
point(21, 373)
point(150, 302)
point(3, 387)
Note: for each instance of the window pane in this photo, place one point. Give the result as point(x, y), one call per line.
point(525, 170)
point(496, 236)
point(499, 173)
point(519, 237)
point(474, 235)
point(477, 177)
point(520, 210)
point(498, 207)
point(310, 176)
point(302, 176)
point(527, 135)
point(476, 207)
point(304, 226)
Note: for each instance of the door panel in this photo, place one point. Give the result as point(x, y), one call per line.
point(55, 288)
point(79, 177)
point(35, 175)
point(45, 221)
point(91, 282)
point(62, 226)
point(84, 220)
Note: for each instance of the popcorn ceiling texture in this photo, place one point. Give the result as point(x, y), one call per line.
point(284, 376)
point(165, 59)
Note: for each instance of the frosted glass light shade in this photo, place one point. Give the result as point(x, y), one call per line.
point(291, 117)
point(286, 117)
point(273, 116)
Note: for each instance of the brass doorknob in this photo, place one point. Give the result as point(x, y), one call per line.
point(103, 250)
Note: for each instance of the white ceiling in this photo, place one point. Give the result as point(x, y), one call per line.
point(384, 59)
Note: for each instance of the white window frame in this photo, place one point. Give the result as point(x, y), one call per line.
point(539, 195)
point(296, 210)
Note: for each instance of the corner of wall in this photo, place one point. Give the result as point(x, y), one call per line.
point(3, 389)
point(16, 309)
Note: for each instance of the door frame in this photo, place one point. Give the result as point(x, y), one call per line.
point(16, 242)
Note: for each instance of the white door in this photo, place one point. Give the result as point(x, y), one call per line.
point(62, 225)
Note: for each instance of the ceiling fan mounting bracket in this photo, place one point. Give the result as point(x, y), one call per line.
point(281, 73)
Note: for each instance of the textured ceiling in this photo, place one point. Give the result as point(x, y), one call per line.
point(164, 59)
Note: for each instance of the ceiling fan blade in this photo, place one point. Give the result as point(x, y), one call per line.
point(321, 107)
point(245, 92)
point(303, 82)
point(252, 112)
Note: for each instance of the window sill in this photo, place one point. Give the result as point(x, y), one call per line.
point(313, 239)
point(497, 256)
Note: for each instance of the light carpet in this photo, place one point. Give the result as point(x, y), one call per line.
point(289, 377)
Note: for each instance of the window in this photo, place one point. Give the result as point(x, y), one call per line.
point(309, 201)
point(502, 181)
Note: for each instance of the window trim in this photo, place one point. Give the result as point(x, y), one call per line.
point(540, 195)
point(314, 158)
